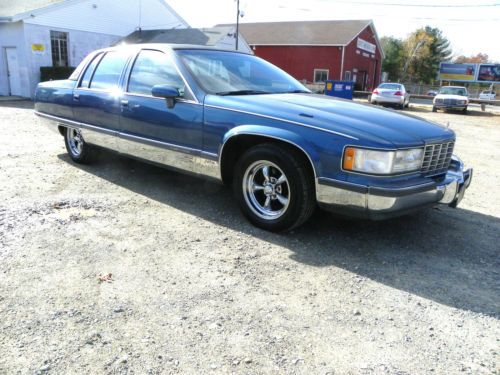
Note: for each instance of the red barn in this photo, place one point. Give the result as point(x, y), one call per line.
point(315, 51)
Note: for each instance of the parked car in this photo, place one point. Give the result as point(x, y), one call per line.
point(487, 95)
point(235, 118)
point(432, 93)
point(451, 97)
point(391, 93)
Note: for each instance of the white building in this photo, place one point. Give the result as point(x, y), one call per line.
point(36, 33)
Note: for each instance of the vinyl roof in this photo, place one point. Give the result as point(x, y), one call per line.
point(336, 32)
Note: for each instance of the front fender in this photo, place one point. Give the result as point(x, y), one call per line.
point(278, 134)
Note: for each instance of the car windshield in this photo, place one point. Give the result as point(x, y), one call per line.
point(453, 91)
point(390, 86)
point(229, 73)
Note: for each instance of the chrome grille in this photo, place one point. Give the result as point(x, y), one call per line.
point(450, 101)
point(437, 158)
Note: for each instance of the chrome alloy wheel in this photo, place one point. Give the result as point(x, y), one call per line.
point(266, 190)
point(75, 140)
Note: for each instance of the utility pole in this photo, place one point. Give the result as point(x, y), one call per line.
point(237, 22)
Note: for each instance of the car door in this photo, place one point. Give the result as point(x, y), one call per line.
point(148, 128)
point(96, 100)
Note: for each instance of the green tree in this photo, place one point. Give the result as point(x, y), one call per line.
point(394, 57)
point(424, 49)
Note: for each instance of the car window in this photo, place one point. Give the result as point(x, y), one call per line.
point(88, 72)
point(108, 72)
point(225, 73)
point(453, 91)
point(390, 86)
point(153, 68)
point(76, 73)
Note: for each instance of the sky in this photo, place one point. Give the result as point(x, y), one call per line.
point(472, 26)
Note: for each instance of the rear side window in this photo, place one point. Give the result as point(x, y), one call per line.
point(108, 72)
point(153, 68)
point(88, 72)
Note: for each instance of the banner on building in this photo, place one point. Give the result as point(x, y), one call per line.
point(38, 49)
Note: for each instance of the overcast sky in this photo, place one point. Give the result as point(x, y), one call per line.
point(470, 27)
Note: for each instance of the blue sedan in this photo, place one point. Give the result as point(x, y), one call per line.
point(240, 120)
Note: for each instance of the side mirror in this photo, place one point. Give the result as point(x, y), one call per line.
point(169, 93)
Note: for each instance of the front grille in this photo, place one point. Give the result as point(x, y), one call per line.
point(437, 158)
point(450, 101)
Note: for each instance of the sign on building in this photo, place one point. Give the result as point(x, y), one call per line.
point(366, 46)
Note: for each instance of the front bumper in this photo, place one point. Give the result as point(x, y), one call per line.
point(379, 203)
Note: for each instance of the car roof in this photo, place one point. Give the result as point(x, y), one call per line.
point(455, 87)
point(167, 46)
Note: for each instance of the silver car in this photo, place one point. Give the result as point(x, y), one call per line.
point(391, 93)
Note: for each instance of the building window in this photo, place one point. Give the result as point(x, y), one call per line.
point(347, 75)
point(320, 75)
point(59, 44)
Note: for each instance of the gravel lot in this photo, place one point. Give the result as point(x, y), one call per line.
point(122, 267)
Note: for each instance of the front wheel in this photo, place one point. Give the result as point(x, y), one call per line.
point(274, 186)
point(434, 109)
point(464, 111)
point(78, 150)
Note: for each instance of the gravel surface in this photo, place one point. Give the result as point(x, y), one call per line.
point(122, 267)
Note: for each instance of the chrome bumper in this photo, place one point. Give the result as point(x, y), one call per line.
point(379, 203)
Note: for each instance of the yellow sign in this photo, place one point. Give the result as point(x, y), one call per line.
point(38, 48)
point(329, 86)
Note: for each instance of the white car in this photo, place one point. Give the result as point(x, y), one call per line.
point(487, 95)
point(451, 97)
point(391, 93)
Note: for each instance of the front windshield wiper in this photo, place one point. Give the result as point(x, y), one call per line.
point(242, 92)
point(294, 92)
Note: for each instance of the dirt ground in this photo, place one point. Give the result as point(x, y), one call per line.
point(122, 267)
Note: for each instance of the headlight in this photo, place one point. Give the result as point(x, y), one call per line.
point(462, 102)
point(382, 162)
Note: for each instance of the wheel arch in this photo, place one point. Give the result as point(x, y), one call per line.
point(241, 138)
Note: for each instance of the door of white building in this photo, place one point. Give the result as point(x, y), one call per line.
point(13, 71)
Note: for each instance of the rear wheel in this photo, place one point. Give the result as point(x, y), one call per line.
point(275, 187)
point(78, 150)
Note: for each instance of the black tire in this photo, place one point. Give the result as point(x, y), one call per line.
point(434, 109)
point(464, 111)
point(78, 150)
point(401, 106)
point(299, 188)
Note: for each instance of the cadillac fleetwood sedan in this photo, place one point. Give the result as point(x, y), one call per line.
point(238, 119)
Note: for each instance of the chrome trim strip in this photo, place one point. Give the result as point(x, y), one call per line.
point(178, 100)
point(283, 120)
point(76, 124)
point(170, 155)
point(171, 146)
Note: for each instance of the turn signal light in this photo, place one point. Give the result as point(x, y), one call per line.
point(398, 93)
point(349, 155)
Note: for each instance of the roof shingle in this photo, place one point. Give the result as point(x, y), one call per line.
point(337, 32)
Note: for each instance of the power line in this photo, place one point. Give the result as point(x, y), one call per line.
point(417, 5)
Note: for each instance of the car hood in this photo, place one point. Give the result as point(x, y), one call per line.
point(362, 121)
point(450, 96)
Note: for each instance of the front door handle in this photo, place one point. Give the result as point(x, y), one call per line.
point(124, 103)
point(76, 97)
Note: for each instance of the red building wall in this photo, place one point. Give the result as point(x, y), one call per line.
point(300, 61)
point(362, 61)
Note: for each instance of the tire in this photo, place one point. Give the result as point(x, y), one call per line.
point(272, 205)
point(434, 109)
point(79, 151)
point(401, 106)
point(464, 111)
